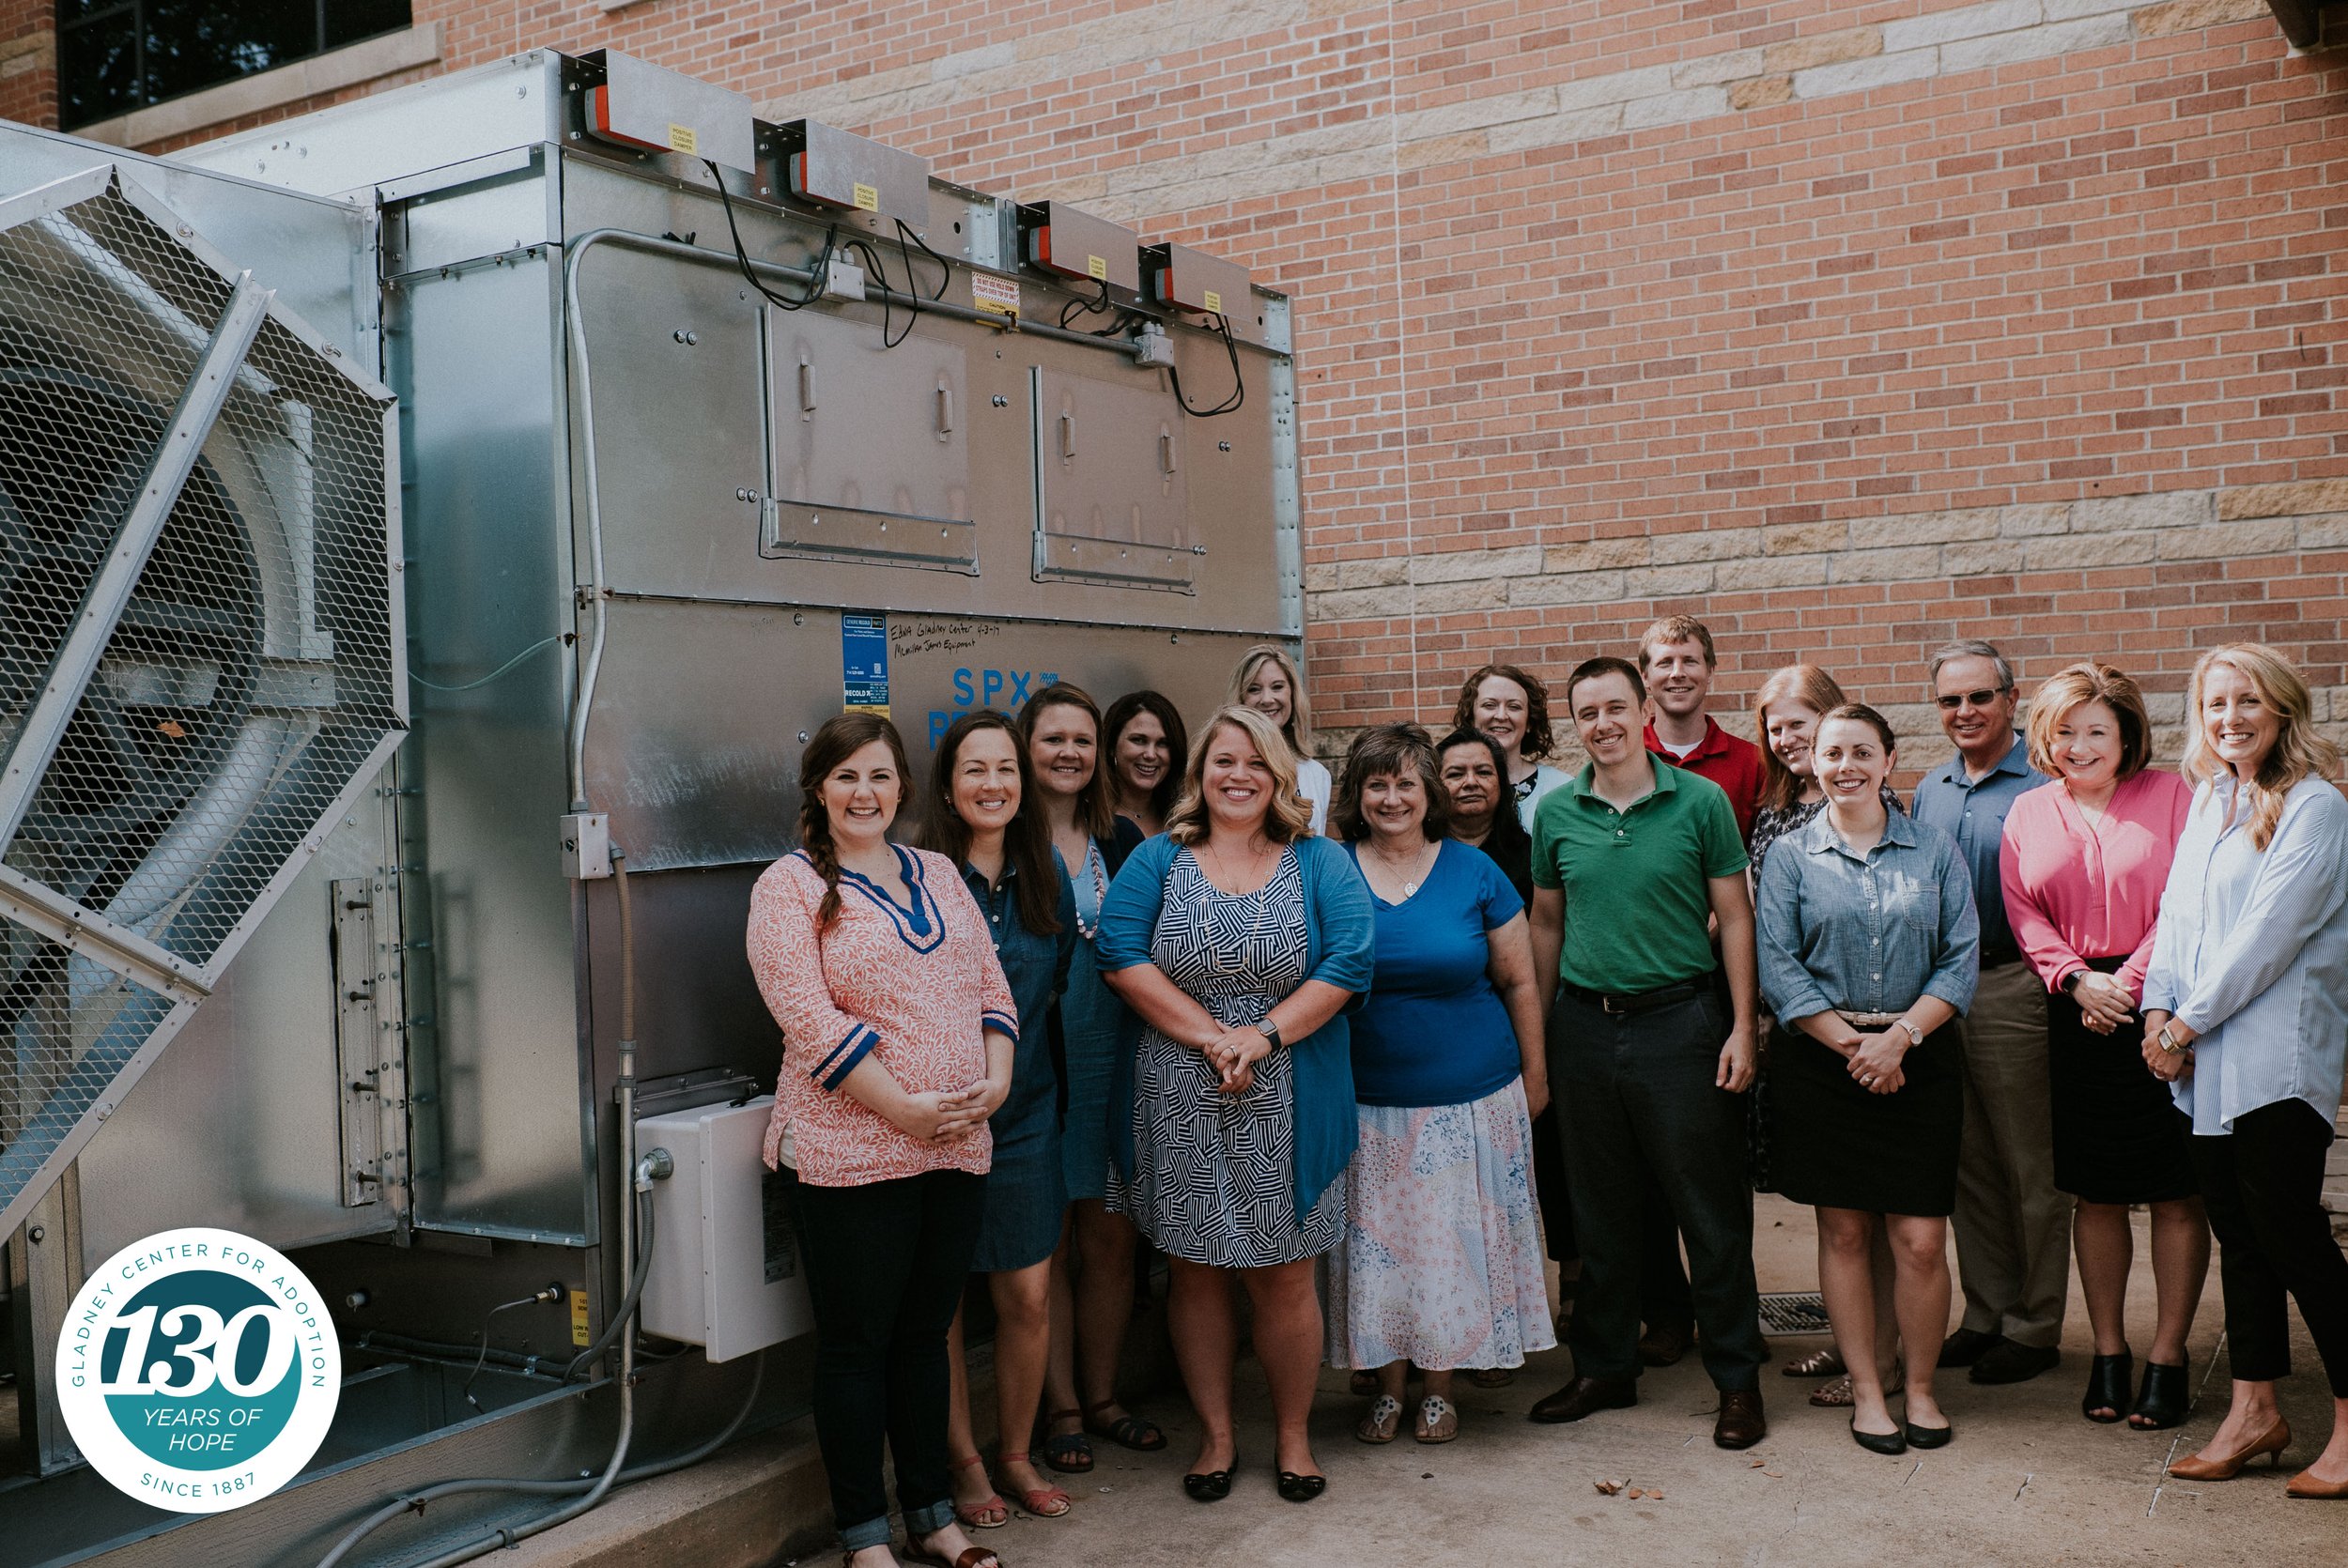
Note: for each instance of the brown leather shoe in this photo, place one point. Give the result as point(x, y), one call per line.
point(1666, 1342)
point(1740, 1423)
point(1585, 1394)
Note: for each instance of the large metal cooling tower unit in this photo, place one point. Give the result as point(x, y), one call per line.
point(406, 512)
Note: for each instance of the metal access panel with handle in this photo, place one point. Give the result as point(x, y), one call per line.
point(1111, 495)
point(201, 656)
point(868, 449)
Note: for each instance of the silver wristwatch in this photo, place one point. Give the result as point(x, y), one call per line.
point(1915, 1036)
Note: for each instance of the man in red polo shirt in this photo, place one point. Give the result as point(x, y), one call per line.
point(1675, 658)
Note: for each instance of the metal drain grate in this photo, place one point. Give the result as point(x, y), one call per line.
point(1786, 1313)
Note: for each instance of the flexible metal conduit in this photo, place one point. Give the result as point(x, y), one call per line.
point(576, 323)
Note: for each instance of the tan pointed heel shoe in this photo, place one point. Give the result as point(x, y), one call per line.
point(2305, 1485)
point(2276, 1438)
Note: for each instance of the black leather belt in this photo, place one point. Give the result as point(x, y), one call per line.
point(1622, 1003)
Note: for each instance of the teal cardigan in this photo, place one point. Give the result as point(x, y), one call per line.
point(1341, 931)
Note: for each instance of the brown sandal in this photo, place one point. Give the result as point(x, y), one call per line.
point(971, 1557)
point(1818, 1363)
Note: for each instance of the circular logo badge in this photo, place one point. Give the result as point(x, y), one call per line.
point(198, 1369)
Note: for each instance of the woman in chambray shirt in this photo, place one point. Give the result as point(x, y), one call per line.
point(2245, 1012)
point(1870, 948)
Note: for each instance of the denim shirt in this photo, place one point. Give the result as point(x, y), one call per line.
point(1972, 811)
point(1844, 932)
point(1037, 967)
point(2251, 953)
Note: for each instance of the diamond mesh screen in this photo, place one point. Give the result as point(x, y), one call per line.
point(249, 681)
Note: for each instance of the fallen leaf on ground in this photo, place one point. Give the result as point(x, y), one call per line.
point(1609, 1487)
point(1656, 1497)
point(1636, 1494)
point(1774, 1475)
point(1757, 1463)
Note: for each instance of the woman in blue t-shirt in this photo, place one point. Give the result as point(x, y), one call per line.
point(1442, 1264)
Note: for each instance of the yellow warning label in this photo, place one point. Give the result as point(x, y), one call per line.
point(995, 296)
point(578, 1318)
point(867, 198)
point(1098, 267)
point(1213, 298)
point(684, 138)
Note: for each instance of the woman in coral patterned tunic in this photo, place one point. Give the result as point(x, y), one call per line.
point(897, 1037)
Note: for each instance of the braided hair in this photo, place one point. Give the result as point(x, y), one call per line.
point(841, 738)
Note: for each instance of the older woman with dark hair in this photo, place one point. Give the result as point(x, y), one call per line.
point(2083, 864)
point(1474, 778)
point(1241, 939)
point(1441, 1263)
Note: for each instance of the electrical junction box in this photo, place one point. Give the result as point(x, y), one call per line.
point(1075, 244)
point(1194, 281)
point(647, 107)
point(825, 166)
point(725, 1273)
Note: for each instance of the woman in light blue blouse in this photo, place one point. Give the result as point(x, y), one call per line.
point(1870, 946)
point(2245, 1012)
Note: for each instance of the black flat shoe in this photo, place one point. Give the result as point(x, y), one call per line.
point(1209, 1485)
point(2108, 1379)
point(1929, 1437)
point(2164, 1400)
point(1877, 1442)
point(1301, 1488)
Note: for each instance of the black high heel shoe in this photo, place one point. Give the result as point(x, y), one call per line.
point(2108, 1378)
point(1211, 1485)
point(2164, 1399)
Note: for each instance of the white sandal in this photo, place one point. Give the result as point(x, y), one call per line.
point(1437, 1422)
point(1384, 1422)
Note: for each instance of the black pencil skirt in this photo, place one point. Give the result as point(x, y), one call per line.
point(2117, 1138)
point(1835, 1145)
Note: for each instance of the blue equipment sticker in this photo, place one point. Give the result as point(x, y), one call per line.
point(864, 663)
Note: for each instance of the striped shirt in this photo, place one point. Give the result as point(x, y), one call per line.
point(914, 987)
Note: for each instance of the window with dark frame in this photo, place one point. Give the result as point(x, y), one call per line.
point(116, 55)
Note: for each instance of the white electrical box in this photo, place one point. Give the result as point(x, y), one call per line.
point(726, 1271)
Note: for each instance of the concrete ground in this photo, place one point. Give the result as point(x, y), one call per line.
point(2027, 1480)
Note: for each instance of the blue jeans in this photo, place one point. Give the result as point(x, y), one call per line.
point(1640, 1112)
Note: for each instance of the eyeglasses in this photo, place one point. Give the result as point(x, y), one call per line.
point(1955, 700)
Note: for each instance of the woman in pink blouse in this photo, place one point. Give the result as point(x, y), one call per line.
point(2084, 861)
point(898, 1031)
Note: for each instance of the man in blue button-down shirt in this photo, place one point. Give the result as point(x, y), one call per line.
point(2013, 1228)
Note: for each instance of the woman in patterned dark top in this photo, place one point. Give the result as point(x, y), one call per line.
point(1240, 939)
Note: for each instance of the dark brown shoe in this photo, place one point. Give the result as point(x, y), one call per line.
point(1584, 1396)
point(1740, 1423)
point(1664, 1344)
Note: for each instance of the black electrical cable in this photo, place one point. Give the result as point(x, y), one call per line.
point(1087, 307)
point(945, 267)
point(1239, 382)
point(818, 276)
point(888, 295)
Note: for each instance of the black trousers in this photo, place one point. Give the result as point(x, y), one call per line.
point(2263, 1187)
point(886, 1264)
point(1640, 1112)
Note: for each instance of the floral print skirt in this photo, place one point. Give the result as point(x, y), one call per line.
point(1442, 1261)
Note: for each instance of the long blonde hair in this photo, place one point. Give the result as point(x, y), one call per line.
point(1287, 818)
point(2299, 751)
point(1816, 690)
point(1297, 731)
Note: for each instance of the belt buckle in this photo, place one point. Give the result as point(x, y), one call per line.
point(1612, 1005)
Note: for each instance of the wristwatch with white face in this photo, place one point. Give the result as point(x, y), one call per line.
point(1270, 1031)
point(1915, 1036)
point(2167, 1042)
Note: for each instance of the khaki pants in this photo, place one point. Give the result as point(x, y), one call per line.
point(2013, 1228)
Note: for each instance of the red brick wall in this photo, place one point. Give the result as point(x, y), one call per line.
point(2042, 349)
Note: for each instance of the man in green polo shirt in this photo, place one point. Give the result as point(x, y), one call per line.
point(1633, 861)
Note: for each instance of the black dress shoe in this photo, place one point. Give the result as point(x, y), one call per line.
point(1666, 1342)
point(1967, 1346)
point(1929, 1437)
point(2107, 1388)
point(2164, 1400)
point(1301, 1488)
point(1584, 1396)
point(1209, 1485)
point(1740, 1423)
point(1877, 1442)
point(2016, 1363)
